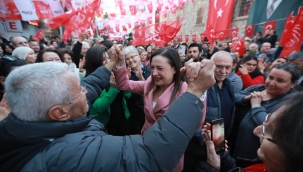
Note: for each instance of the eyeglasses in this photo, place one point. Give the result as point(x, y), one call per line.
point(263, 130)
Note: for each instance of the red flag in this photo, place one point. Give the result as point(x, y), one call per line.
point(150, 20)
point(233, 33)
point(180, 38)
point(249, 30)
point(186, 38)
point(294, 35)
point(39, 35)
point(124, 28)
point(9, 11)
point(221, 35)
point(220, 14)
point(210, 34)
point(202, 37)
point(133, 9)
point(159, 33)
point(142, 23)
point(150, 7)
point(42, 9)
point(194, 37)
point(76, 21)
point(238, 46)
point(269, 26)
point(123, 11)
point(286, 35)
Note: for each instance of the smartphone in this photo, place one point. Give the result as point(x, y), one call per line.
point(217, 135)
point(182, 49)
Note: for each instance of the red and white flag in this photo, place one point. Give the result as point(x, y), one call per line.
point(56, 7)
point(194, 37)
point(180, 38)
point(9, 11)
point(249, 30)
point(233, 33)
point(239, 46)
point(269, 26)
point(26, 9)
point(186, 38)
point(210, 34)
point(39, 35)
point(293, 34)
point(220, 14)
point(221, 35)
point(43, 9)
point(202, 37)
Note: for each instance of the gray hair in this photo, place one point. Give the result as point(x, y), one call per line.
point(130, 49)
point(295, 56)
point(220, 52)
point(254, 44)
point(33, 89)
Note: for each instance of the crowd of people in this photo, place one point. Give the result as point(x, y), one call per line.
point(106, 105)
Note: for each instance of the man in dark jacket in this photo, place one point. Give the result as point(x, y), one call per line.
point(51, 132)
point(220, 97)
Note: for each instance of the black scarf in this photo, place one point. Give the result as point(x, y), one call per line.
point(20, 141)
point(255, 73)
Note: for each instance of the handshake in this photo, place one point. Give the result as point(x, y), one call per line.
point(198, 75)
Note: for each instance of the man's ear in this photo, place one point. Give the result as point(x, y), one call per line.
point(59, 112)
point(2, 80)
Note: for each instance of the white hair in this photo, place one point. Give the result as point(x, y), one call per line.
point(130, 49)
point(86, 43)
point(254, 44)
point(32, 90)
point(220, 52)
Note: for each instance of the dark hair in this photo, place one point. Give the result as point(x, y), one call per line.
point(174, 60)
point(107, 43)
point(295, 56)
point(66, 51)
point(256, 72)
point(93, 59)
point(195, 45)
point(260, 33)
point(293, 69)
point(53, 42)
point(32, 40)
point(40, 54)
point(287, 131)
point(4, 51)
point(6, 65)
point(56, 37)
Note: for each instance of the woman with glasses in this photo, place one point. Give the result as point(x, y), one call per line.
point(254, 103)
point(249, 72)
point(279, 142)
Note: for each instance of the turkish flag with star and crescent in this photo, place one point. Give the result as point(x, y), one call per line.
point(210, 34)
point(293, 34)
point(180, 38)
point(249, 30)
point(239, 46)
point(221, 35)
point(202, 37)
point(233, 33)
point(220, 14)
point(269, 26)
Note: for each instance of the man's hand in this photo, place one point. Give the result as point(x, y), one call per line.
point(199, 76)
point(4, 108)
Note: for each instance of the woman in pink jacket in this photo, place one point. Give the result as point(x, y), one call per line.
point(159, 90)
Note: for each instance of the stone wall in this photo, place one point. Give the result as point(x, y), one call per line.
point(190, 13)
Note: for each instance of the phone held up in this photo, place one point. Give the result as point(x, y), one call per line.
point(217, 135)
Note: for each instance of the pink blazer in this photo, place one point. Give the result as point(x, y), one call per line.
point(152, 114)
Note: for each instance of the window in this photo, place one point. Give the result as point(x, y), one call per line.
point(199, 16)
point(245, 7)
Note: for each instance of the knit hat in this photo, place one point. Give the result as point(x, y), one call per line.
point(21, 52)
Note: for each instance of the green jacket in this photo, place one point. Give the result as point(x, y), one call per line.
point(101, 106)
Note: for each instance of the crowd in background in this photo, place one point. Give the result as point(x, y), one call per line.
point(257, 95)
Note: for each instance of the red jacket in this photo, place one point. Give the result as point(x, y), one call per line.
point(248, 81)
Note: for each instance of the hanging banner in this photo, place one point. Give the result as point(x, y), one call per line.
point(26, 9)
point(9, 11)
point(249, 30)
point(43, 9)
point(269, 26)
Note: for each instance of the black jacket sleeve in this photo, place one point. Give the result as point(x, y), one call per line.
point(95, 83)
point(77, 50)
